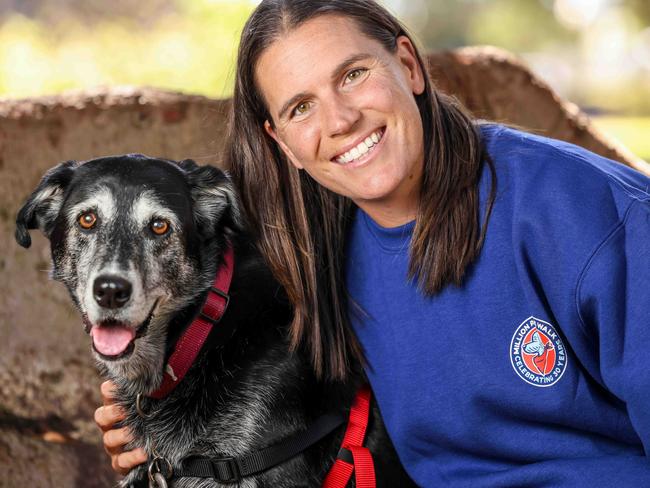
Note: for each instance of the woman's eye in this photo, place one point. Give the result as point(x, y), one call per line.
point(354, 74)
point(159, 227)
point(301, 108)
point(87, 220)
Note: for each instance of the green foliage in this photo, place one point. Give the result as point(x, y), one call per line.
point(633, 132)
point(632, 99)
point(191, 48)
point(190, 45)
point(517, 26)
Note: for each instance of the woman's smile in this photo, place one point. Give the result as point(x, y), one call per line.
point(360, 153)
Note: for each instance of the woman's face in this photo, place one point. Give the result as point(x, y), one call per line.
point(343, 109)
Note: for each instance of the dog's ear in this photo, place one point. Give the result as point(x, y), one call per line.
point(43, 205)
point(213, 195)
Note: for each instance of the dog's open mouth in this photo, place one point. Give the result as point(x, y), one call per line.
point(113, 339)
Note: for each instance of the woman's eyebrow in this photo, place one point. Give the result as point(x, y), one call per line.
point(342, 66)
point(289, 103)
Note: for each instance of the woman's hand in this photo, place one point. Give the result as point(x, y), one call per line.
point(115, 439)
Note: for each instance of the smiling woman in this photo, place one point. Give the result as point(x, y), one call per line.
point(368, 81)
point(493, 283)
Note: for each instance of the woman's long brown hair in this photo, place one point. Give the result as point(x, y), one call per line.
point(301, 226)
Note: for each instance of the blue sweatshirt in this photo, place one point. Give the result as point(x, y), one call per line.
point(536, 371)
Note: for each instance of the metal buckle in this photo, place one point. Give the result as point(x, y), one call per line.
point(223, 295)
point(231, 466)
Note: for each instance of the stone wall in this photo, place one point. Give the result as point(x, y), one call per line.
point(48, 386)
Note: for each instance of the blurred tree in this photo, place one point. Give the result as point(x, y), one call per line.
point(143, 12)
point(641, 8)
point(517, 26)
point(186, 45)
point(52, 45)
point(513, 24)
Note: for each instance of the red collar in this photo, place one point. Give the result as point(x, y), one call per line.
point(190, 343)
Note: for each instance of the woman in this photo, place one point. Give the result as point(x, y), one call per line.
point(495, 282)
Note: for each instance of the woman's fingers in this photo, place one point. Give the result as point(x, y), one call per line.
point(116, 439)
point(116, 466)
point(107, 389)
point(123, 463)
point(108, 415)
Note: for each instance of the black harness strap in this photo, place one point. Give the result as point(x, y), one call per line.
point(232, 469)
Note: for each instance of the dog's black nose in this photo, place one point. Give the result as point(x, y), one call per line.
point(111, 291)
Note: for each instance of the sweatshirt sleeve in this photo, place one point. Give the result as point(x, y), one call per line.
point(613, 301)
point(613, 304)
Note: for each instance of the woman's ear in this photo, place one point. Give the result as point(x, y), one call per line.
point(285, 149)
point(405, 51)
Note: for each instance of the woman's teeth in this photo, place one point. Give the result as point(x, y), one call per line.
point(360, 149)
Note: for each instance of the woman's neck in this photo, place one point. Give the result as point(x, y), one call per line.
point(397, 208)
point(391, 213)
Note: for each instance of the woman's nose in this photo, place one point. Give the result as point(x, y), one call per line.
point(340, 116)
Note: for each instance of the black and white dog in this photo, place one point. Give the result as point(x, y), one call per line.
point(137, 241)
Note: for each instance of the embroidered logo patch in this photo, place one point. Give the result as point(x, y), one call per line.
point(537, 353)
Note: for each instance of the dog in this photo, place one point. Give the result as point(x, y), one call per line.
point(138, 241)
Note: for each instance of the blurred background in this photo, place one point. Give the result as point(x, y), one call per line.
point(595, 53)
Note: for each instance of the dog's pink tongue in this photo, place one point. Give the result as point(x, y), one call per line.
point(112, 340)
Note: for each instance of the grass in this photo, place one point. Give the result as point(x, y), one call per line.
point(633, 132)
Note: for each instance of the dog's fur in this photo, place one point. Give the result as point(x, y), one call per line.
point(246, 391)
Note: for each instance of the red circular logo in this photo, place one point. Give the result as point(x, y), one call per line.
point(537, 353)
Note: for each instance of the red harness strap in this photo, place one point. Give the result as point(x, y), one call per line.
point(190, 343)
point(363, 467)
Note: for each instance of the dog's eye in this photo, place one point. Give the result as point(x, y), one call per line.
point(159, 227)
point(87, 220)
